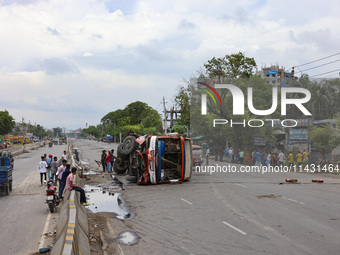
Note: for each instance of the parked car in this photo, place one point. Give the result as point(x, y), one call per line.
point(197, 154)
point(155, 159)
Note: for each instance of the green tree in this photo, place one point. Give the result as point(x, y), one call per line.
point(325, 138)
point(231, 66)
point(137, 116)
point(6, 123)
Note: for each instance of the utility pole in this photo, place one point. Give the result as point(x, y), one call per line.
point(165, 125)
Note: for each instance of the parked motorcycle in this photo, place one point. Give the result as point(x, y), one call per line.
point(51, 196)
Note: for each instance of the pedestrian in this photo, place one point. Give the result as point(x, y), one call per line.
point(54, 168)
point(269, 157)
point(42, 169)
point(76, 154)
point(64, 156)
point(103, 160)
point(65, 174)
point(281, 158)
point(236, 152)
point(241, 156)
point(60, 170)
point(49, 161)
point(258, 158)
point(108, 162)
point(305, 159)
point(253, 156)
point(207, 156)
point(70, 185)
point(231, 154)
point(299, 157)
point(291, 159)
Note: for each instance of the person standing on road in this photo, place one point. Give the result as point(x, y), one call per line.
point(282, 158)
point(49, 161)
point(269, 157)
point(42, 169)
point(305, 159)
point(54, 168)
point(231, 154)
point(241, 156)
point(108, 162)
point(291, 159)
point(64, 156)
point(76, 154)
point(103, 160)
point(207, 156)
point(61, 169)
point(70, 185)
point(63, 180)
point(258, 158)
point(299, 159)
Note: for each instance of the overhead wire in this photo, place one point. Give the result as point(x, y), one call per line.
point(319, 59)
point(319, 66)
point(325, 73)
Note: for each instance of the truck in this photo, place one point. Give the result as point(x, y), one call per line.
point(6, 169)
point(155, 159)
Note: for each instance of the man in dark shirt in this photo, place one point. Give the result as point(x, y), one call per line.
point(103, 159)
point(63, 180)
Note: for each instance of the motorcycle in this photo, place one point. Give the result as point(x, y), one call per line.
point(52, 198)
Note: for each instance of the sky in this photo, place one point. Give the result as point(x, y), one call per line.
point(67, 63)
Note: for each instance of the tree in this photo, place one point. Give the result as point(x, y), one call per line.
point(6, 123)
point(137, 116)
point(230, 66)
point(325, 138)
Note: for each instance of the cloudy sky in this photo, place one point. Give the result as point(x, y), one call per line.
point(65, 63)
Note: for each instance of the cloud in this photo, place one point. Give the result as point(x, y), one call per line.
point(53, 66)
point(69, 62)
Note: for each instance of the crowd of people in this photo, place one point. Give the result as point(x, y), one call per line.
point(50, 168)
point(260, 157)
point(107, 160)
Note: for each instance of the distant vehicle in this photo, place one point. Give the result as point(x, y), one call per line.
point(197, 154)
point(18, 139)
point(155, 159)
point(6, 169)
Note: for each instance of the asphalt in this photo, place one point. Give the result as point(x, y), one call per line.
point(23, 213)
point(230, 213)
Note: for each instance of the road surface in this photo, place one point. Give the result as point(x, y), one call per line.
point(23, 214)
point(227, 213)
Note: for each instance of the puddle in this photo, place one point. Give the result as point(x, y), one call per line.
point(128, 238)
point(84, 162)
point(106, 199)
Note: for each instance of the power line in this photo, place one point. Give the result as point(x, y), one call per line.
point(325, 73)
point(319, 66)
point(319, 59)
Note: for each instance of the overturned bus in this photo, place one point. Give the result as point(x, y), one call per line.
point(155, 159)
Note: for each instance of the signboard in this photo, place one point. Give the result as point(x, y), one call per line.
point(298, 145)
point(259, 141)
point(298, 134)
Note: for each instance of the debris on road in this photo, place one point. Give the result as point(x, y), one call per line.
point(318, 180)
point(291, 180)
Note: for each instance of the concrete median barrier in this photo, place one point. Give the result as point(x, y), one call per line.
point(73, 230)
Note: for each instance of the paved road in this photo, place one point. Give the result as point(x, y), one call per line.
point(233, 213)
point(23, 213)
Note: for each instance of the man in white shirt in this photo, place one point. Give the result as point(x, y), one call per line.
point(282, 158)
point(42, 169)
point(207, 156)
